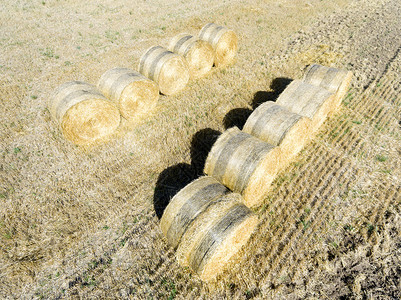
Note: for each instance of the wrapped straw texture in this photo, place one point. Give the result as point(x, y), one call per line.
point(187, 204)
point(83, 113)
point(134, 94)
point(278, 126)
point(198, 54)
point(335, 80)
point(223, 41)
point(216, 236)
point(244, 164)
point(307, 100)
point(169, 70)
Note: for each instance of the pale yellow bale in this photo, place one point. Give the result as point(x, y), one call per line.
point(187, 204)
point(336, 81)
point(198, 54)
point(169, 70)
point(215, 236)
point(307, 100)
point(244, 164)
point(83, 113)
point(223, 41)
point(134, 94)
point(278, 126)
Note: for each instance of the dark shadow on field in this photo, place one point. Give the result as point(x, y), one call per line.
point(277, 86)
point(170, 181)
point(176, 177)
point(236, 117)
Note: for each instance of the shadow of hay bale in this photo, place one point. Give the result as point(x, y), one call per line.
point(277, 86)
point(236, 117)
point(169, 183)
point(176, 177)
point(201, 144)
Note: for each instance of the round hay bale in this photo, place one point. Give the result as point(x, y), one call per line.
point(83, 113)
point(216, 236)
point(223, 41)
point(244, 164)
point(278, 126)
point(307, 100)
point(169, 70)
point(198, 54)
point(134, 94)
point(335, 80)
point(187, 204)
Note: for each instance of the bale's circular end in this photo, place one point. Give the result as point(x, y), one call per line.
point(90, 120)
point(200, 58)
point(174, 76)
point(198, 54)
point(223, 41)
point(169, 70)
point(83, 113)
point(226, 49)
point(138, 99)
point(134, 94)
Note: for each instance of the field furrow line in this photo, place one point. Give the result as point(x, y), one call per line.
point(286, 234)
point(299, 256)
point(319, 207)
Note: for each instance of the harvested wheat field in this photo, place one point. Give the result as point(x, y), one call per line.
point(84, 221)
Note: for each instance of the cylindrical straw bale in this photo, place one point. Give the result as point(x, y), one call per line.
point(335, 80)
point(243, 163)
point(135, 94)
point(307, 100)
point(187, 204)
point(198, 54)
point(223, 41)
point(278, 126)
point(83, 113)
point(169, 70)
point(216, 236)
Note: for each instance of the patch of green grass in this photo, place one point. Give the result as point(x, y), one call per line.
point(173, 291)
point(34, 97)
point(3, 195)
point(381, 158)
point(357, 122)
point(17, 150)
point(105, 227)
point(49, 52)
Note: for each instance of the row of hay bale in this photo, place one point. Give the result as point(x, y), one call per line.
point(210, 219)
point(87, 113)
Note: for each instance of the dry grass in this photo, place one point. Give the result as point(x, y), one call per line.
point(81, 222)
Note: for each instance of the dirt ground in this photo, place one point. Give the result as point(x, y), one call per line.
point(84, 223)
